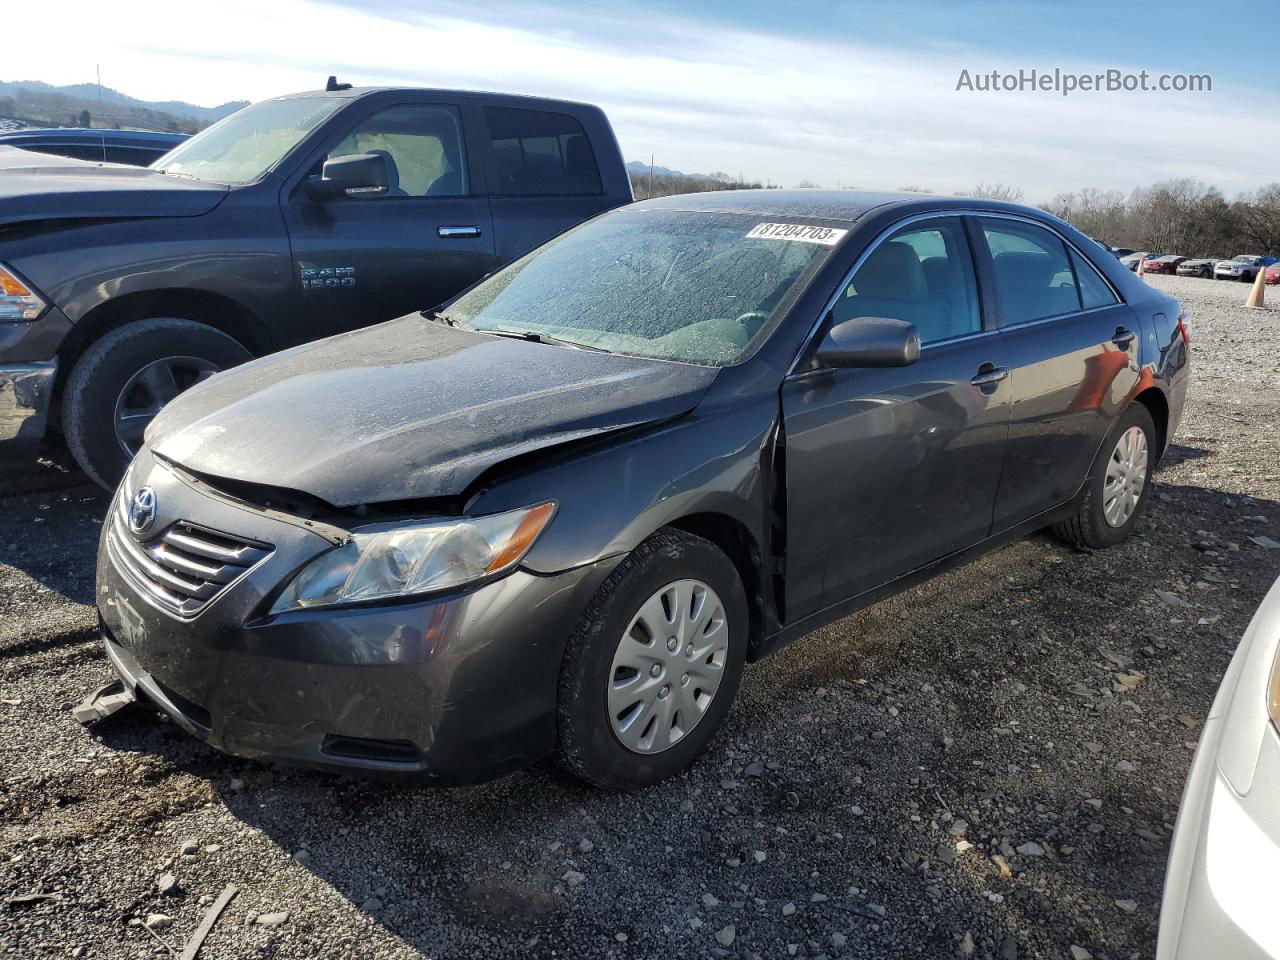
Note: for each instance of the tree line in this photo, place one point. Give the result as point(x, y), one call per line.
point(1181, 216)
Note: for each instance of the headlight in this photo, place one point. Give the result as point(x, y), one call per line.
point(383, 562)
point(17, 300)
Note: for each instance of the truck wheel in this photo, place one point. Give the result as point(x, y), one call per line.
point(653, 666)
point(120, 383)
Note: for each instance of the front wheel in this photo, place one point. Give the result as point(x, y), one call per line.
point(653, 666)
point(1118, 485)
point(123, 380)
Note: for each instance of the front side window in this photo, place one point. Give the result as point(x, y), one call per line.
point(245, 146)
point(1033, 275)
point(540, 154)
point(922, 274)
point(696, 287)
point(422, 145)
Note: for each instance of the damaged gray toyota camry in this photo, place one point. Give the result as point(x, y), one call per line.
point(557, 515)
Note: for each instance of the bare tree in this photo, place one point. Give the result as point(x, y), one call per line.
point(914, 190)
point(994, 191)
point(807, 184)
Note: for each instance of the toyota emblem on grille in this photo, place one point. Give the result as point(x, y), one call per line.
point(142, 509)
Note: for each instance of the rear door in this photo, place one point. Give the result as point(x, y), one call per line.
point(888, 469)
point(363, 260)
point(543, 176)
point(1072, 350)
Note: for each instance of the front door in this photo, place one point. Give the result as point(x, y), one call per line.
point(891, 468)
point(361, 260)
point(1072, 350)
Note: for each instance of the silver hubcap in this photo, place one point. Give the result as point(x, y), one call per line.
point(150, 389)
point(1126, 476)
point(668, 666)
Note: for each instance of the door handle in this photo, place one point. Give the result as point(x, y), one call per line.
point(456, 233)
point(989, 373)
point(1123, 337)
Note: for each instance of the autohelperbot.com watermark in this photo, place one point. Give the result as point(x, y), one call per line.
point(1065, 82)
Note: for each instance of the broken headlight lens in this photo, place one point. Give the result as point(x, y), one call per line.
point(380, 563)
point(17, 300)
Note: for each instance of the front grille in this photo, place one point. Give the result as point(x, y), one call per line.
point(186, 566)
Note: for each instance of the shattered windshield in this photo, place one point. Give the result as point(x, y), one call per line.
point(241, 148)
point(696, 287)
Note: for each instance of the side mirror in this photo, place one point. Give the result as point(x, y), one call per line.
point(869, 342)
point(357, 175)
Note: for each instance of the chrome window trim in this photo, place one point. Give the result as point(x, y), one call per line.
point(894, 227)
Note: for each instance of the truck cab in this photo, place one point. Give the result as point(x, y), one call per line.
point(294, 219)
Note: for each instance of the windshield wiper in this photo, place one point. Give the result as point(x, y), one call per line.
point(438, 317)
point(534, 337)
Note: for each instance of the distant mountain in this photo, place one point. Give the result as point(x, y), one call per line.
point(45, 104)
point(637, 168)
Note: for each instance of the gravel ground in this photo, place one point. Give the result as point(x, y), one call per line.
point(988, 765)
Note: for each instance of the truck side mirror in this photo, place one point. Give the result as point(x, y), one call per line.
point(869, 342)
point(357, 175)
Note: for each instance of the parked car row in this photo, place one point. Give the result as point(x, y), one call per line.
point(1244, 267)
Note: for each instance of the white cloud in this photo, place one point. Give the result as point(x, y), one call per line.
point(699, 96)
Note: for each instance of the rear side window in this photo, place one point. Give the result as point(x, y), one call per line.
point(922, 274)
point(1033, 274)
point(1094, 291)
point(541, 154)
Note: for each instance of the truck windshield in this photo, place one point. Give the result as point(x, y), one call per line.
point(696, 287)
point(241, 148)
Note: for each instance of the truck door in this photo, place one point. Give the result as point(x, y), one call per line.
point(362, 260)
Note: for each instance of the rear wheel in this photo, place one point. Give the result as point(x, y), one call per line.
point(1118, 486)
point(123, 380)
point(653, 666)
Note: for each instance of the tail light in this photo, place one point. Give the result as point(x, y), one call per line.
point(1182, 329)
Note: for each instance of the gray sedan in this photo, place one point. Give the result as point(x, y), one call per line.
point(560, 514)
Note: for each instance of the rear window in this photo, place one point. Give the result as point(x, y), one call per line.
point(538, 153)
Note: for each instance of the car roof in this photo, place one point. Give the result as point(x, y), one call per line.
point(847, 205)
point(356, 93)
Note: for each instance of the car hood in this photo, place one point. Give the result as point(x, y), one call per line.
point(409, 409)
point(37, 186)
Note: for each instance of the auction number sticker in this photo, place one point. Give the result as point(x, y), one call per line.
point(827, 236)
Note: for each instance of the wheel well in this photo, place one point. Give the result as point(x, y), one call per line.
point(1154, 400)
point(736, 541)
point(201, 306)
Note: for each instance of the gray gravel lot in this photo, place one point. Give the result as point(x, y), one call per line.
point(987, 765)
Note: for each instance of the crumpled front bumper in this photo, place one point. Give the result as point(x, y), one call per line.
point(25, 392)
point(451, 689)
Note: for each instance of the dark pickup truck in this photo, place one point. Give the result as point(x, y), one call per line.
point(293, 219)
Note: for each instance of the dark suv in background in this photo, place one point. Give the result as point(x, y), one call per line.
point(293, 219)
point(139, 148)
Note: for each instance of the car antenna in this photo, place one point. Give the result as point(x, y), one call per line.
point(333, 85)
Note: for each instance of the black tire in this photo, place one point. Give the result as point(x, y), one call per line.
point(587, 745)
point(103, 370)
point(1088, 529)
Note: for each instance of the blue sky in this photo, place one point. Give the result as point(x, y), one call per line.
point(853, 93)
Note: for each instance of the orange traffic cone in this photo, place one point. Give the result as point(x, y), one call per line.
point(1141, 266)
point(1257, 293)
